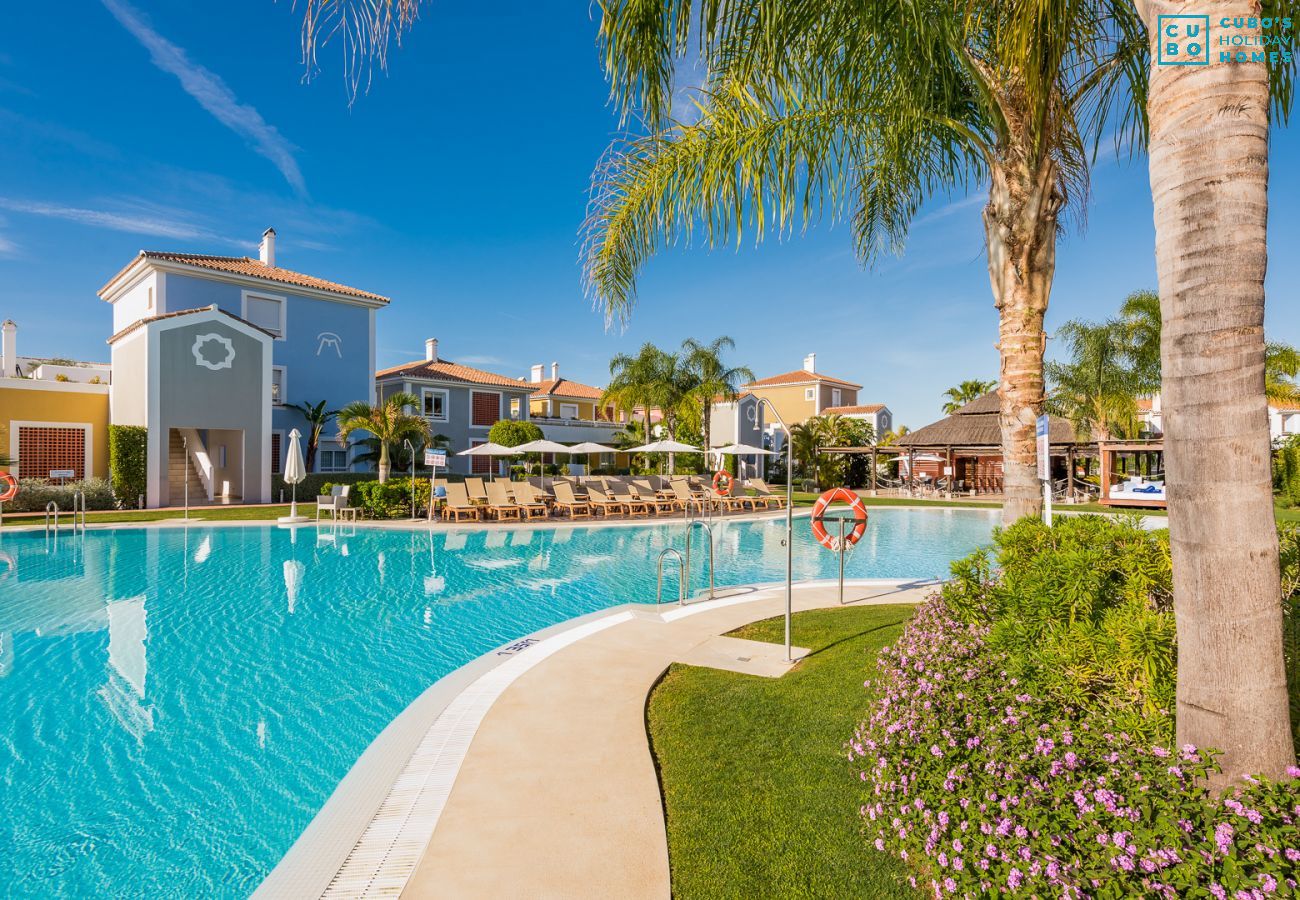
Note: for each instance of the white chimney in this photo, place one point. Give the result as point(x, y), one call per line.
point(555, 371)
point(8, 349)
point(535, 374)
point(431, 349)
point(266, 250)
point(810, 362)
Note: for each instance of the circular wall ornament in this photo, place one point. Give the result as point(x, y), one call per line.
point(226, 362)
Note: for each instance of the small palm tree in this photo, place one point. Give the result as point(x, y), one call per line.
point(1097, 389)
point(964, 393)
point(1281, 366)
point(1139, 315)
point(713, 377)
point(388, 422)
point(317, 417)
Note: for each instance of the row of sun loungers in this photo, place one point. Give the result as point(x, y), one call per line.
point(650, 496)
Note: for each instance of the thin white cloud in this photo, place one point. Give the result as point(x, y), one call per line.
point(213, 94)
point(482, 360)
point(145, 223)
point(977, 196)
point(7, 247)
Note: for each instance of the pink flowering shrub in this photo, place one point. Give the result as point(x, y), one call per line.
point(990, 782)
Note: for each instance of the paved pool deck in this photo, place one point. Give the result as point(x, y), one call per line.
point(552, 790)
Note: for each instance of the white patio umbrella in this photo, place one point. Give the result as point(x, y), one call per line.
point(666, 446)
point(489, 449)
point(543, 446)
point(590, 447)
point(741, 450)
point(295, 471)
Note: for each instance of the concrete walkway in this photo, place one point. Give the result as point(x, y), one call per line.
point(557, 795)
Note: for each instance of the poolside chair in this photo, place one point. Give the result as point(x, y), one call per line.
point(477, 493)
point(657, 503)
point(763, 492)
point(621, 491)
point(603, 503)
point(335, 503)
point(457, 503)
point(687, 498)
point(729, 502)
point(527, 497)
point(566, 502)
point(499, 503)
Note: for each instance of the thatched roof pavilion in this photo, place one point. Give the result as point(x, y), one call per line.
point(974, 429)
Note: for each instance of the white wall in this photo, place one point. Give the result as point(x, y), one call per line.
point(133, 304)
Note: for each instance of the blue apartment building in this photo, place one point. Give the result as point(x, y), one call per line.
point(253, 337)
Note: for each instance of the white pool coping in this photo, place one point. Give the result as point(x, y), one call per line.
point(369, 836)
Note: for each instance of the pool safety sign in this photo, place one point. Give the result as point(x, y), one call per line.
point(435, 459)
point(1044, 458)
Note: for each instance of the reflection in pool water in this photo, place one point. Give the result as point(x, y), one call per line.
point(176, 704)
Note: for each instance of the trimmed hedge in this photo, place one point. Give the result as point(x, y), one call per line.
point(314, 484)
point(391, 500)
point(127, 463)
point(34, 493)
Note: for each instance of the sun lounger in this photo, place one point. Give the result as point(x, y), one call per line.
point(603, 503)
point(688, 498)
point(457, 503)
point(660, 503)
point(474, 487)
point(624, 493)
point(499, 503)
point(528, 499)
point(566, 502)
point(729, 502)
point(763, 491)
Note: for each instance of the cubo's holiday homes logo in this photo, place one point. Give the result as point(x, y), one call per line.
point(1186, 40)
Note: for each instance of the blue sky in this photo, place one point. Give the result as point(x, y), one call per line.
point(457, 185)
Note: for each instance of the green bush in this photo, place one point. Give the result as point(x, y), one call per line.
point(35, 493)
point(391, 500)
point(1083, 610)
point(513, 432)
point(127, 462)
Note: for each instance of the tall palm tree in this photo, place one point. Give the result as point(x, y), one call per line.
point(1097, 388)
point(317, 417)
point(863, 111)
point(1208, 161)
point(964, 393)
point(715, 378)
point(631, 380)
point(388, 422)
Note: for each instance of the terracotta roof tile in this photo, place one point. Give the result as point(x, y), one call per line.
point(243, 265)
point(799, 376)
point(445, 370)
point(563, 387)
point(853, 410)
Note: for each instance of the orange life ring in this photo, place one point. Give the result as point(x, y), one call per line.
point(722, 475)
point(11, 491)
point(831, 542)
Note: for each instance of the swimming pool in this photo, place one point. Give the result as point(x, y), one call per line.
point(177, 704)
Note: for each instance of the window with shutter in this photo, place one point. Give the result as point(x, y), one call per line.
point(486, 409)
point(265, 312)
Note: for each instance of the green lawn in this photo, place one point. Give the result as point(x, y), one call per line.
point(760, 796)
point(206, 513)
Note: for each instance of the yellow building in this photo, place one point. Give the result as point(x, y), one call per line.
point(50, 426)
point(804, 393)
point(560, 398)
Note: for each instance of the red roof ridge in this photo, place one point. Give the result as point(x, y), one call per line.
point(247, 266)
point(799, 376)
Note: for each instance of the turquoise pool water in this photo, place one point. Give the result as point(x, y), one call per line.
point(177, 704)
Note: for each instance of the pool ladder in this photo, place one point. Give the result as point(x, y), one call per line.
point(78, 514)
point(684, 565)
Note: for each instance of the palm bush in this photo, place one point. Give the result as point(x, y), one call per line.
point(388, 422)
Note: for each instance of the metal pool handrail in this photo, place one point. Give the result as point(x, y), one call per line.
point(52, 507)
point(709, 529)
point(681, 576)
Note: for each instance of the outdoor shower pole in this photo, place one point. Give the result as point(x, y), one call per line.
point(789, 525)
point(185, 455)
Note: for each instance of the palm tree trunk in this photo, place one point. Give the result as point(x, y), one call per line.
point(1209, 181)
point(1020, 230)
point(384, 465)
